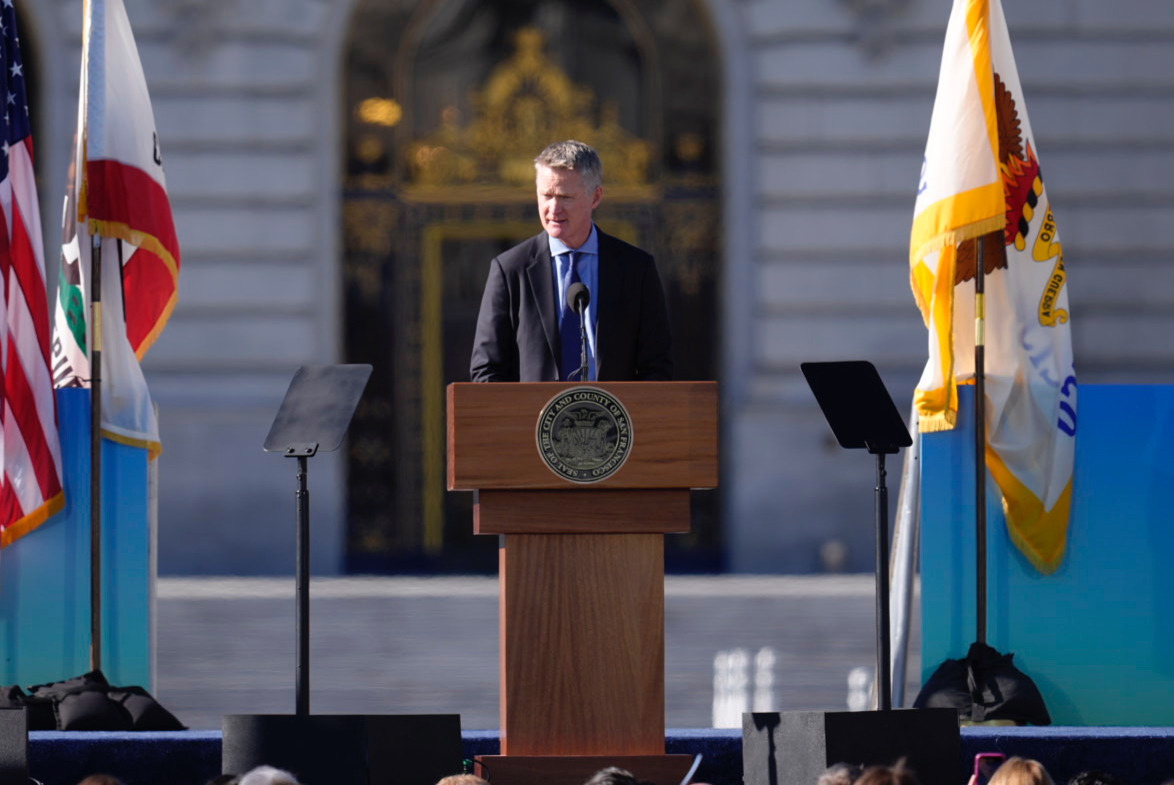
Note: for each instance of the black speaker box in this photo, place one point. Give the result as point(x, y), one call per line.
point(795, 747)
point(346, 749)
point(14, 747)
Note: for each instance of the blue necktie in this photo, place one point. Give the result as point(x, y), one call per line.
point(568, 327)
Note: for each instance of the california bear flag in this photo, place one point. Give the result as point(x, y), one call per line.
point(117, 191)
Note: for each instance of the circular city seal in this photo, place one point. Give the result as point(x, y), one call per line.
point(584, 434)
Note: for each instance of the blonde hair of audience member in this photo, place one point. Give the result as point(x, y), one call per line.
point(461, 779)
point(101, 779)
point(1021, 771)
point(267, 775)
point(897, 774)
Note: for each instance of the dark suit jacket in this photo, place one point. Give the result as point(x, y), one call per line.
point(517, 330)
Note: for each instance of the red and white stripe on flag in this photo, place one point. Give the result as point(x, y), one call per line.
point(117, 192)
point(31, 487)
point(123, 189)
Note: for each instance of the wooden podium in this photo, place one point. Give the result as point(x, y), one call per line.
point(582, 566)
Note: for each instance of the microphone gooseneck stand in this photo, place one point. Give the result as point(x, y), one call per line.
point(583, 369)
point(578, 298)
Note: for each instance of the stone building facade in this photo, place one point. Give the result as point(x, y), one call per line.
point(821, 108)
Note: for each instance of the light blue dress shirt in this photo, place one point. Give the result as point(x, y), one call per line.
point(560, 255)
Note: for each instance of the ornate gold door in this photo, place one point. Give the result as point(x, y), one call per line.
point(447, 103)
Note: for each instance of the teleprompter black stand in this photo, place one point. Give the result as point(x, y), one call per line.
point(861, 413)
point(794, 748)
point(330, 749)
point(314, 415)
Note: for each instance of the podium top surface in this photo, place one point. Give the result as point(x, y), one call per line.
point(494, 434)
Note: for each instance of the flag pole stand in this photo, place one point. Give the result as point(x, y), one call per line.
point(965, 683)
point(96, 453)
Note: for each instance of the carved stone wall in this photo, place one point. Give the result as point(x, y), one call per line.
point(819, 146)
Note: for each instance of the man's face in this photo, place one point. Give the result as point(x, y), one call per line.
point(565, 204)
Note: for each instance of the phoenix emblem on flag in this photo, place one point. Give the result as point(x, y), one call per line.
point(1022, 186)
point(982, 182)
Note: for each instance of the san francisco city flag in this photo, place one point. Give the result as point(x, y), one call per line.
point(981, 176)
point(30, 453)
point(117, 190)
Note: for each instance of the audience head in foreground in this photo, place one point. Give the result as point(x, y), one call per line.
point(839, 774)
point(897, 774)
point(267, 775)
point(1094, 777)
point(613, 775)
point(1021, 771)
point(461, 779)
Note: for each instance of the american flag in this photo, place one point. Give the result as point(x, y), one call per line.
point(30, 488)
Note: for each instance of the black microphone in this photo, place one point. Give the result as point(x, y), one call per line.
point(578, 298)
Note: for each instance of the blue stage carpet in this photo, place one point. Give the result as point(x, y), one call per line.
point(1139, 756)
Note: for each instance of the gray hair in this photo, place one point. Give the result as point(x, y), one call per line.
point(613, 775)
point(267, 775)
point(839, 774)
point(575, 156)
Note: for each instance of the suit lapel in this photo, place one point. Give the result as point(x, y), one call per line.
point(542, 285)
point(611, 284)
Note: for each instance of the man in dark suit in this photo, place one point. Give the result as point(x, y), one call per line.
point(527, 333)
